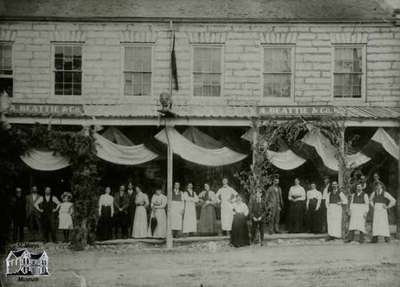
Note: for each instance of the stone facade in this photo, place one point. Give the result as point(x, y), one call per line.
point(242, 61)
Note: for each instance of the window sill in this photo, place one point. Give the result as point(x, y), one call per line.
point(346, 102)
point(277, 101)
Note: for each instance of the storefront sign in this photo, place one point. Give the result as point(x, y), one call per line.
point(47, 109)
point(288, 111)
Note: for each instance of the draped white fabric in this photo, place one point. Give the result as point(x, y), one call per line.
point(324, 148)
point(197, 154)
point(44, 160)
point(116, 136)
point(357, 159)
point(388, 143)
point(286, 160)
point(327, 151)
point(120, 154)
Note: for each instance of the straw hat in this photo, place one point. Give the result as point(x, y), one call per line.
point(66, 194)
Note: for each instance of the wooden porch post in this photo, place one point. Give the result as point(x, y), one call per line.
point(398, 190)
point(341, 165)
point(254, 142)
point(170, 157)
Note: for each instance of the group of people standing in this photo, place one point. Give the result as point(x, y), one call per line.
point(183, 209)
point(379, 202)
point(42, 214)
point(126, 214)
point(130, 213)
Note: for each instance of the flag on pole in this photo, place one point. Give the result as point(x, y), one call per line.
point(174, 70)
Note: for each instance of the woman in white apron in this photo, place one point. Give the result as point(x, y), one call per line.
point(226, 196)
point(177, 206)
point(381, 201)
point(359, 205)
point(189, 216)
point(334, 202)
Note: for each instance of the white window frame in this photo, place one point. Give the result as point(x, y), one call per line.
point(363, 76)
point(122, 82)
point(222, 76)
point(53, 69)
point(278, 100)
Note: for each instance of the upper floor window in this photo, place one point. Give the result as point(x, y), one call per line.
point(278, 72)
point(137, 71)
point(68, 70)
point(6, 68)
point(348, 72)
point(207, 71)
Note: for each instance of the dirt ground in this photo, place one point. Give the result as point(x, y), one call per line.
point(280, 263)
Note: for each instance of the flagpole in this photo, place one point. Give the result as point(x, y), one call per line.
point(169, 155)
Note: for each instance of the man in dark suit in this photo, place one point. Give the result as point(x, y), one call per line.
point(274, 199)
point(18, 205)
point(48, 205)
point(121, 204)
point(258, 213)
point(32, 214)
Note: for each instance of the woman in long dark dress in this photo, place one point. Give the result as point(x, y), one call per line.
point(297, 197)
point(240, 231)
point(106, 213)
point(313, 207)
point(208, 217)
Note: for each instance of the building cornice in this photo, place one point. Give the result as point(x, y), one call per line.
point(390, 21)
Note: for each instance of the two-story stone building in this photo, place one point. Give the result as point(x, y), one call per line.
point(106, 62)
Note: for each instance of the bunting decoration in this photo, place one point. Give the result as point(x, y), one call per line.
point(44, 160)
point(121, 154)
point(195, 153)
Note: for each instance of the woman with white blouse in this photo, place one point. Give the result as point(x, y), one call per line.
point(313, 208)
point(189, 215)
point(158, 204)
point(106, 213)
point(240, 231)
point(139, 229)
point(297, 197)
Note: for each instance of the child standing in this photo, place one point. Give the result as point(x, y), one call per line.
point(65, 215)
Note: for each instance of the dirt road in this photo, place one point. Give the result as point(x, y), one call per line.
point(308, 263)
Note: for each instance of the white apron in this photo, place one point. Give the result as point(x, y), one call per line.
point(380, 222)
point(176, 214)
point(189, 218)
point(357, 217)
point(226, 216)
point(334, 218)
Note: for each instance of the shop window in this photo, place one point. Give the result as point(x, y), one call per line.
point(348, 72)
point(278, 72)
point(6, 68)
point(137, 70)
point(207, 71)
point(68, 70)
